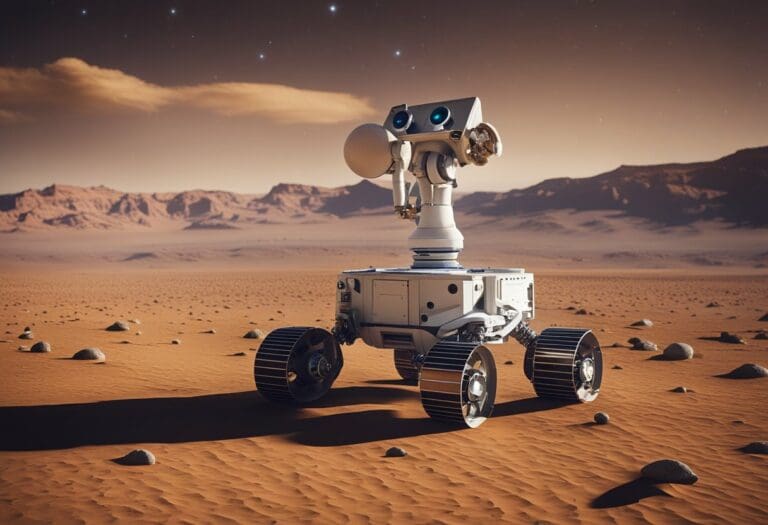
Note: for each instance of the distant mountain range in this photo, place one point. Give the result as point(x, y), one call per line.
point(732, 189)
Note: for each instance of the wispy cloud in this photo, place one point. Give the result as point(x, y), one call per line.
point(73, 85)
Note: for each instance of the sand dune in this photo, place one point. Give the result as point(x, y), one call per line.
point(225, 455)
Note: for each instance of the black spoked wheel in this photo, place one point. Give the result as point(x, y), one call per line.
point(458, 383)
point(297, 364)
point(567, 364)
point(405, 367)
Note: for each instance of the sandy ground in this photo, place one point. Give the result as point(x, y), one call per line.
point(225, 455)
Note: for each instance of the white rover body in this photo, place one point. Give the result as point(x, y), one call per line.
point(437, 316)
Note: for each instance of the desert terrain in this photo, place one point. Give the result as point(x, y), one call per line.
point(193, 272)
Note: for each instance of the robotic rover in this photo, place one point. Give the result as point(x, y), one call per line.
point(439, 317)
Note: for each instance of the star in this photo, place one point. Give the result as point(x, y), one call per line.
point(172, 11)
point(262, 56)
point(333, 8)
point(83, 12)
point(397, 53)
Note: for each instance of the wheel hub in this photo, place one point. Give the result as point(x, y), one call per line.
point(319, 366)
point(587, 370)
point(476, 387)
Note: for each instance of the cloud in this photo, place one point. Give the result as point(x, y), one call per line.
point(74, 85)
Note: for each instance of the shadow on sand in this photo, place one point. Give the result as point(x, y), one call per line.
point(223, 416)
point(628, 493)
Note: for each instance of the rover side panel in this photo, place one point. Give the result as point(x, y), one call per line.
point(390, 302)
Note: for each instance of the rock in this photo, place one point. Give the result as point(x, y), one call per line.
point(40, 347)
point(640, 344)
point(253, 334)
point(727, 337)
point(89, 354)
point(669, 471)
point(680, 390)
point(582, 311)
point(211, 331)
point(573, 308)
point(601, 418)
point(239, 354)
point(761, 335)
point(764, 318)
point(714, 304)
point(137, 457)
point(175, 341)
point(26, 335)
point(756, 447)
point(617, 367)
point(678, 352)
point(643, 322)
point(509, 362)
point(395, 452)
point(747, 371)
point(119, 326)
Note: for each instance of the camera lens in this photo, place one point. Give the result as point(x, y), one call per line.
point(401, 120)
point(440, 115)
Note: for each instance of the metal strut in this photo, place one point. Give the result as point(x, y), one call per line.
point(524, 334)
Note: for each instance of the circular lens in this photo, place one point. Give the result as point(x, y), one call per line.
point(440, 115)
point(401, 120)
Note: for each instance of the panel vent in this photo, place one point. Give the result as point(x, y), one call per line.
point(395, 340)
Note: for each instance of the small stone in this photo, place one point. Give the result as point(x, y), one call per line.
point(138, 457)
point(727, 337)
point(253, 334)
point(175, 341)
point(89, 354)
point(118, 326)
point(761, 335)
point(678, 352)
point(643, 322)
point(26, 335)
point(680, 390)
point(640, 344)
point(509, 362)
point(601, 418)
point(582, 311)
point(395, 452)
point(756, 447)
point(573, 308)
point(238, 354)
point(617, 367)
point(211, 331)
point(669, 471)
point(617, 345)
point(40, 347)
point(764, 318)
point(714, 304)
point(747, 371)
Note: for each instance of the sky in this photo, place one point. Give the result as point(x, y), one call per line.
point(168, 95)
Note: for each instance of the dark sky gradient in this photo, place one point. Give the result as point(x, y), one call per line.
point(575, 88)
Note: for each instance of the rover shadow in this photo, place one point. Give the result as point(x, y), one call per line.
point(524, 406)
point(399, 382)
point(627, 494)
point(176, 419)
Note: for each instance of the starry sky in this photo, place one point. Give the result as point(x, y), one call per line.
point(168, 95)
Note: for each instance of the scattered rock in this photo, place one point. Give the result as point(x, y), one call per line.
point(761, 335)
point(395, 452)
point(175, 341)
point(573, 308)
point(582, 311)
point(601, 418)
point(641, 344)
point(509, 362)
point(764, 318)
point(211, 331)
point(714, 304)
point(756, 447)
point(617, 367)
point(238, 354)
point(643, 322)
point(678, 352)
point(747, 371)
point(727, 337)
point(26, 335)
point(119, 326)
point(137, 457)
point(41, 347)
point(253, 334)
point(89, 354)
point(669, 471)
point(680, 390)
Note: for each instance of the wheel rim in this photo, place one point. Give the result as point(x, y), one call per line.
point(588, 368)
point(479, 387)
point(566, 363)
